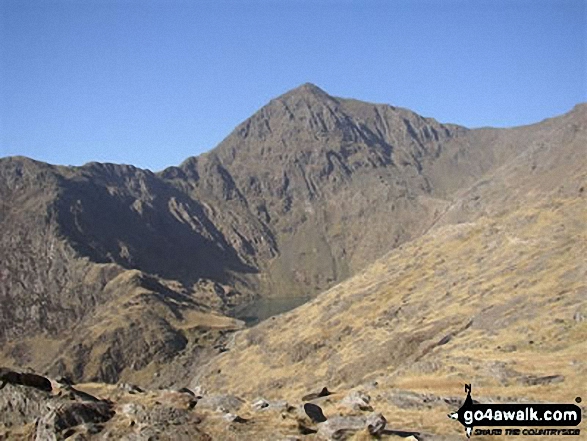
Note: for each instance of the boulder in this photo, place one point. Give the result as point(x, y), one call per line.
point(21, 405)
point(314, 412)
point(260, 404)
point(279, 406)
point(376, 424)
point(158, 416)
point(233, 418)
point(130, 388)
point(264, 405)
point(341, 427)
point(358, 400)
point(135, 411)
point(225, 403)
point(64, 416)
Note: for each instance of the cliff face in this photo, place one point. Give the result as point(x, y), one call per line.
point(109, 271)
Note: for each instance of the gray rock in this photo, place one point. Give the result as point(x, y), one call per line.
point(134, 410)
point(199, 391)
point(260, 404)
point(358, 400)
point(264, 405)
point(406, 399)
point(233, 418)
point(341, 427)
point(156, 416)
point(130, 388)
point(225, 403)
point(532, 380)
point(20, 405)
point(279, 406)
point(66, 415)
point(376, 424)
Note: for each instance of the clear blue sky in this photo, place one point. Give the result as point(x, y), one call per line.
point(151, 82)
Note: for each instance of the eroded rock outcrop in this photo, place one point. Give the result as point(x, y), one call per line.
point(63, 416)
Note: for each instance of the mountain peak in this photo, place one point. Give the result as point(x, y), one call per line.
point(580, 108)
point(307, 89)
point(310, 87)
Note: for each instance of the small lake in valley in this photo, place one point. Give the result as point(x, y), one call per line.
point(266, 307)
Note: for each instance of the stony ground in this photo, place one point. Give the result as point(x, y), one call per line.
point(126, 412)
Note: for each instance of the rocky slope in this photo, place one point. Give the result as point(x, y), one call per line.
point(110, 272)
point(95, 411)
